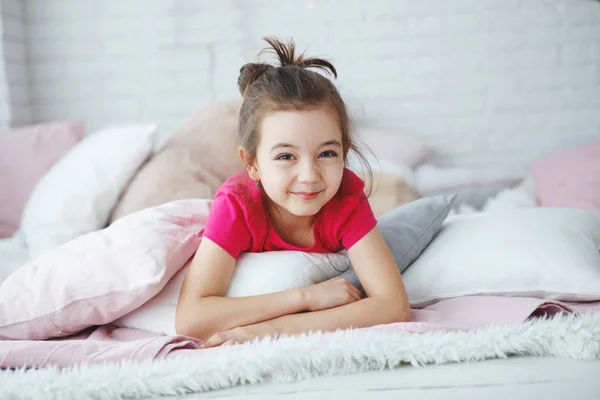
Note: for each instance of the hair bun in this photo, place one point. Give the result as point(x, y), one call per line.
point(287, 56)
point(249, 73)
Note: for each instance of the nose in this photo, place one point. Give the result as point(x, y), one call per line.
point(309, 173)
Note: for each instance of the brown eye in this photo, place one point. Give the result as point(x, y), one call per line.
point(328, 154)
point(285, 157)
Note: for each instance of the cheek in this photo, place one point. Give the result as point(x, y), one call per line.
point(334, 172)
point(276, 178)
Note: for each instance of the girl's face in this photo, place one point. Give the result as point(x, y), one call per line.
point(300, 159)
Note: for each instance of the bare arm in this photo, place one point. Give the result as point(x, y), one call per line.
point(202, 310)
point(386, 300)
point(368, 312)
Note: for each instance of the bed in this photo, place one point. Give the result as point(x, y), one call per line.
point(555, 355)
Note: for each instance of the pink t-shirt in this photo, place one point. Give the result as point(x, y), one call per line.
point(238, 221)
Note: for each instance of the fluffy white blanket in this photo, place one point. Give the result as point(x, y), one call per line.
point(295, 358)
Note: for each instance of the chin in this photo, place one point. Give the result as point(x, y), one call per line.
point(305, 210)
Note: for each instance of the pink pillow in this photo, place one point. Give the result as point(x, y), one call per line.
point(25, 155)
point(569, 178)
point(99, 277)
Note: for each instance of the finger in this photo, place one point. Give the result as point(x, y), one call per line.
point(350, 296)
point(360, 293)
point(350, 287)
point(215, 340)
point(356, 293)
point(230, 342)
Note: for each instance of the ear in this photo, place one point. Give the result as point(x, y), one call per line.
point(244, 155)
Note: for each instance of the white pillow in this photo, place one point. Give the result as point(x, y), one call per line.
point(430, 178)
point(78, 193)
point(254, 274)
point(13, 254)
point(549, 253)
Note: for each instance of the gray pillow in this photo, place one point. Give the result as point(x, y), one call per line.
point(409, 229)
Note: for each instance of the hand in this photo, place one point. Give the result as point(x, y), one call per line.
point(238, 335)
point(331, 293)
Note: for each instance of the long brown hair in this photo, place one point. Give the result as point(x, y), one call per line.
point(292, 86)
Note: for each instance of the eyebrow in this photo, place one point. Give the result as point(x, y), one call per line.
point(327, 143)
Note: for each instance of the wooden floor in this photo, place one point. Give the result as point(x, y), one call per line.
point(514, 378)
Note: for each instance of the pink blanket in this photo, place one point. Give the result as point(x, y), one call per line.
point(108, 343)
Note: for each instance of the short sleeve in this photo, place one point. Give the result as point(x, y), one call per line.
point(360, 222)
point(227, 225)
point(356, 211)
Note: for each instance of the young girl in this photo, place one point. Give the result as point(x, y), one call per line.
point(294, 194)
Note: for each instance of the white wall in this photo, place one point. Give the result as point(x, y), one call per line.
point(15, 105)
point(483, 81)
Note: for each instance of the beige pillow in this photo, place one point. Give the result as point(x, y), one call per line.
point(390, 191)
point(194, 162)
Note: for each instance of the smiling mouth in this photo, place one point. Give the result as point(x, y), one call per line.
point(307, 195)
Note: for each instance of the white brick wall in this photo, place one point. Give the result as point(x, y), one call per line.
point(15, 107)
point(483, 81)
